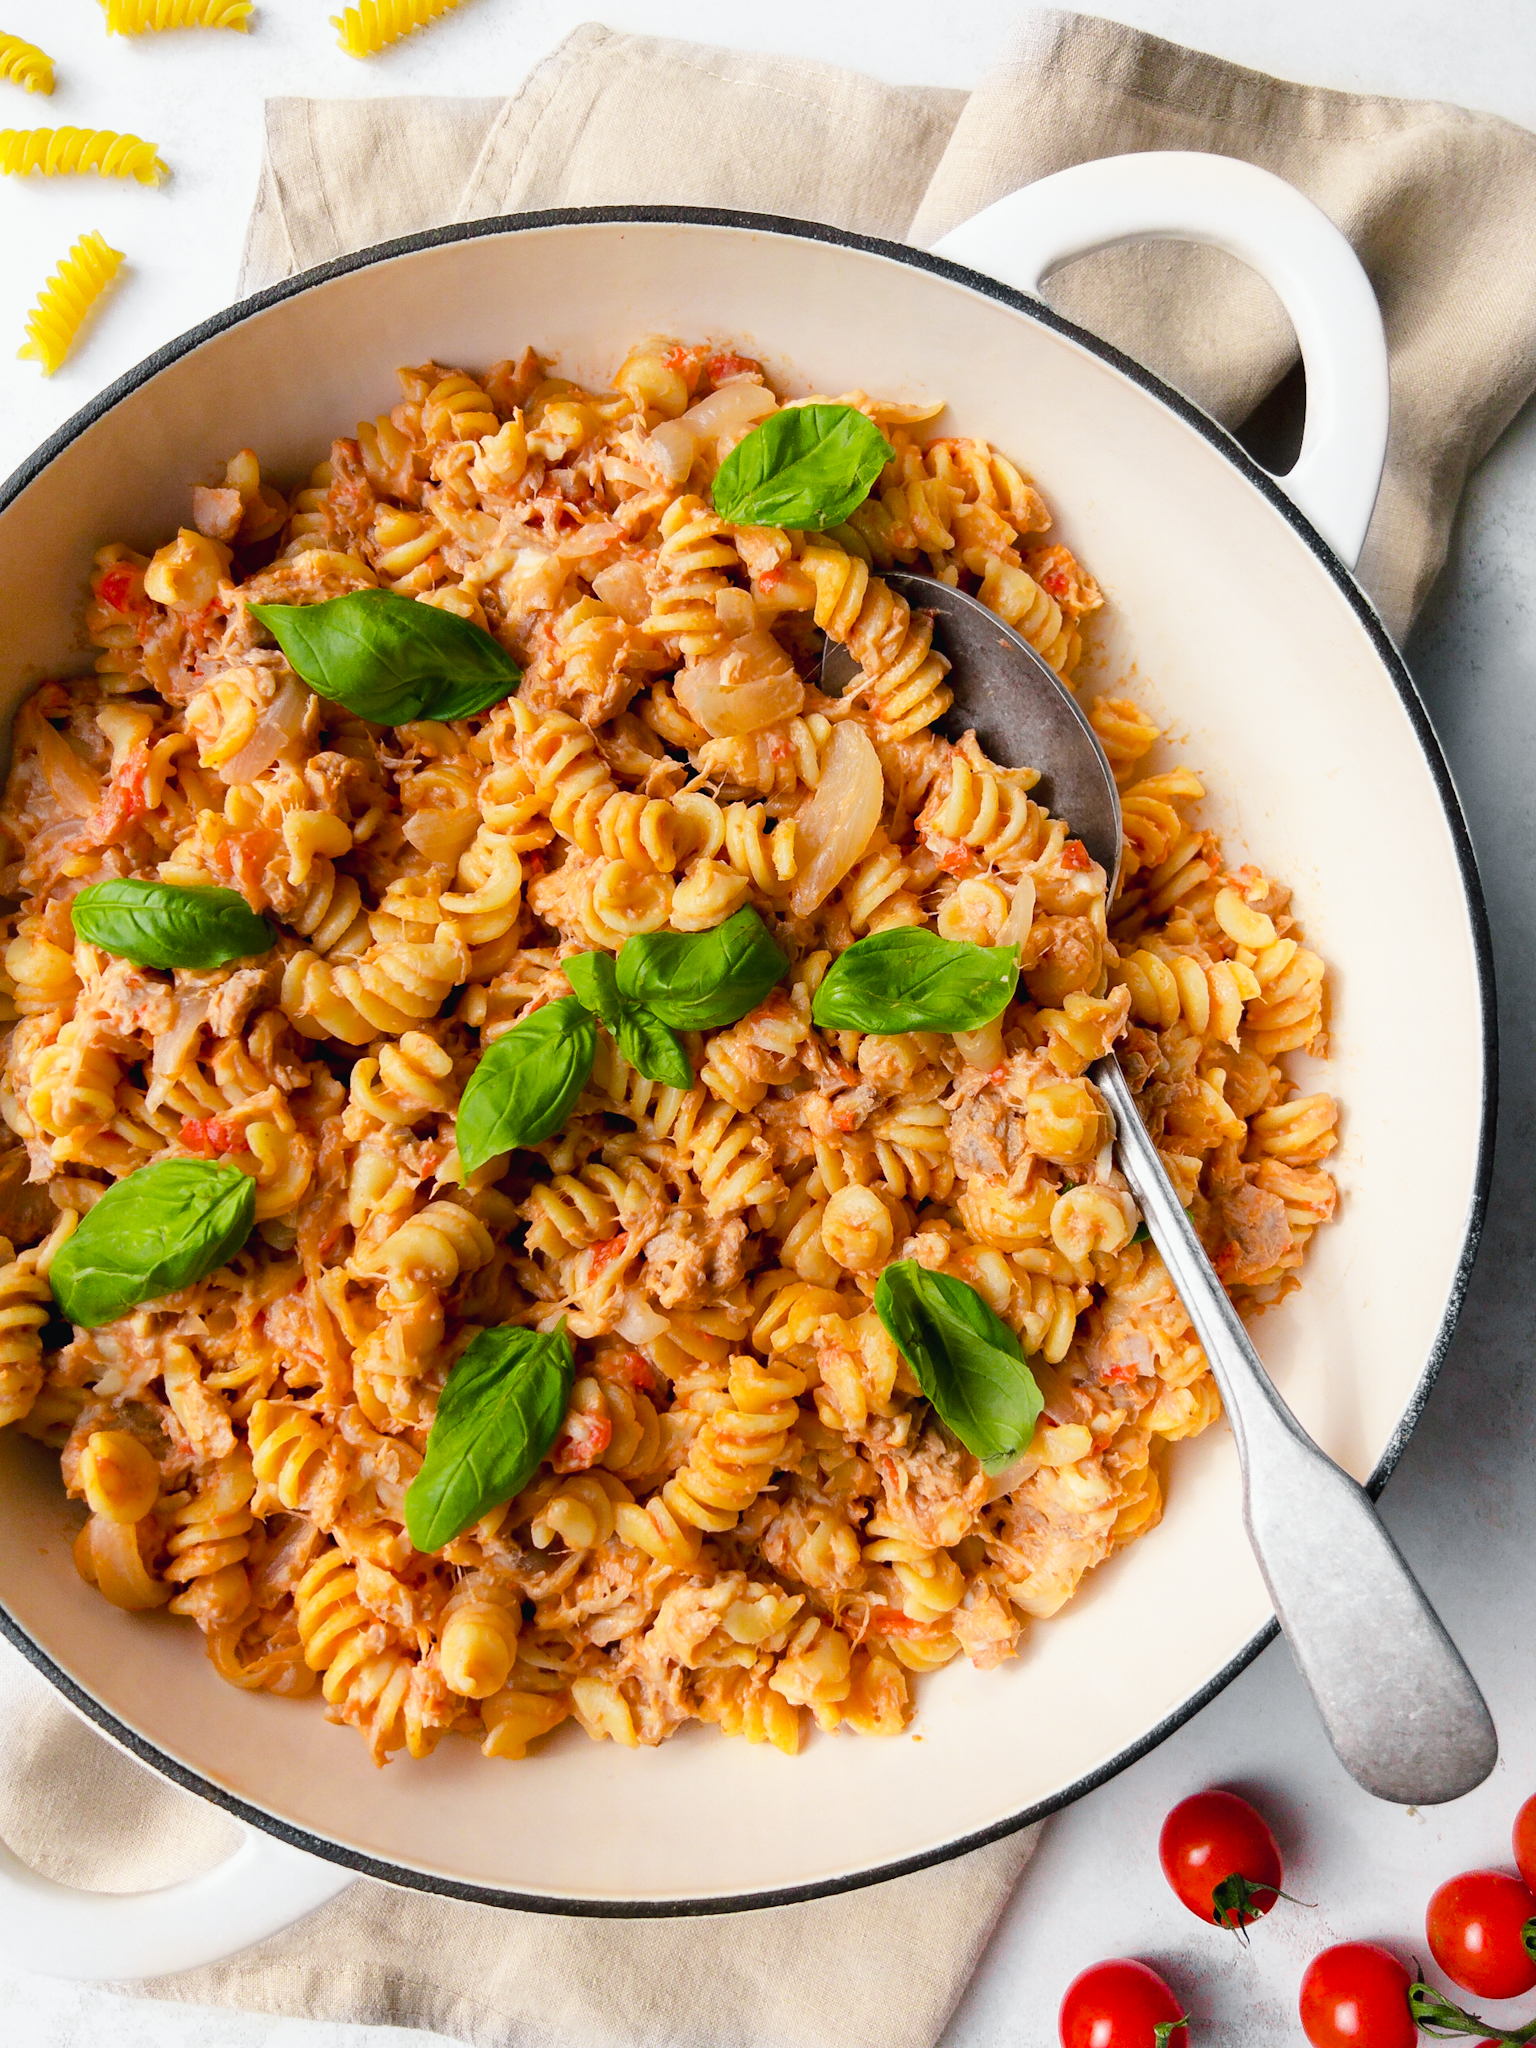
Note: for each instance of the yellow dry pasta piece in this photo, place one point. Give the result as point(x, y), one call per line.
point(375, 24)
point(138, 17)
point(67, 298)
point(24, 64)
point(61, 151)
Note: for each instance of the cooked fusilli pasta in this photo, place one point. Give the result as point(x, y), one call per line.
point(67, 299)
point(749, 1515)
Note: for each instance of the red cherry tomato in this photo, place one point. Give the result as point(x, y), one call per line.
point(1356, 1996)
point(1474, 1925)
point(1525, 1842)
point(1221, 1859)
point(1120, 2005)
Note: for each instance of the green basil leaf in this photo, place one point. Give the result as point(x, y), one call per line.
point(591, 975)
point(909, 979)
point(699, 981)
point(503, 1402)
point(653, 1048)
point(162, 1228)
point(160, 924)
point(390, 659)
point(524, 1086)
point(808, 466)
point(967, 1360)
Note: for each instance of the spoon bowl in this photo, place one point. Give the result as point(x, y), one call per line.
point(1021, 715)
point(1402, 1711)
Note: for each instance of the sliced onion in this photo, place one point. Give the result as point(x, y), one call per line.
point(535, 580)
point(839, 821)
point(723, 418)
point(982, 1048)
point(172, 1048)
point(590, 539)
point(280, 723)
point(640, 1322)
point(670, 449)
point(1021, 914)
point(622, 585)
point(752, 684)
point(72, 781)
point(737, 405)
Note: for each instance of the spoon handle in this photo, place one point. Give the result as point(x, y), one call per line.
point(1400, 1707)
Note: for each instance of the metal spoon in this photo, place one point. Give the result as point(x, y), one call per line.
point(1400, 1707)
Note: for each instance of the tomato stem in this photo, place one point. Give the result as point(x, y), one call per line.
point(1165, 2030)
point(1237, 1901)
point(1442, 2021)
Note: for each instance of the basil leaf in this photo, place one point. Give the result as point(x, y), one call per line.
point(159, 924)
point(653, 1049)
point(591, 975)
point(161, 1228)
point(808, 466)
point(967, 1360)
point(390, 659)
point(524, 1086)
point(909, 979)
point(503, 1402)
point(698, 981)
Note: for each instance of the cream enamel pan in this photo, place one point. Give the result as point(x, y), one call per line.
point(1249, 639)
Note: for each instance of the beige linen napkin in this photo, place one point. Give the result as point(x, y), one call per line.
point(1442, 207)
point(1440, 204)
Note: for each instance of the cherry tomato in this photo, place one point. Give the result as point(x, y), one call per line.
point(1525, 1842)
point(1473, 1927)
point(1356, 1996)
point(1121, 2005)
point(1220, 1858)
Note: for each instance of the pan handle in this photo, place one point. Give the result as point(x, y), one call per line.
point(1192, 196)
point(55, 1930)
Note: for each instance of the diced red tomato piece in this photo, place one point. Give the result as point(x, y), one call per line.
point(123, 589)
point(208, 1136)
point(605, 1253)
point(243, 856)
point(719, 368)
point(1075, 857)
point(124, 799)
point(890, 1621)
point(581, 1441)
point(637, 1371)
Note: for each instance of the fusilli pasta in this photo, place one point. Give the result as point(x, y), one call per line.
point(24, 64)
point(139, 17)
point(749, 1515)
point(373, 25)
point(67, 299)
point(55, 151)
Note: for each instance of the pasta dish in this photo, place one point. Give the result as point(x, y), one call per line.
point(423, 1163)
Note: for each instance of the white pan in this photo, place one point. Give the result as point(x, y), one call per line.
point(1232, 598)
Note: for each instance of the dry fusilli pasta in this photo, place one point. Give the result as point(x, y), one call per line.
point(373, 25)
point(138, 17)
point(62, 150)
point(24, 64)
point(67, 299)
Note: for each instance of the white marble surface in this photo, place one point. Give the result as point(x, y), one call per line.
point(1461, 1504)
